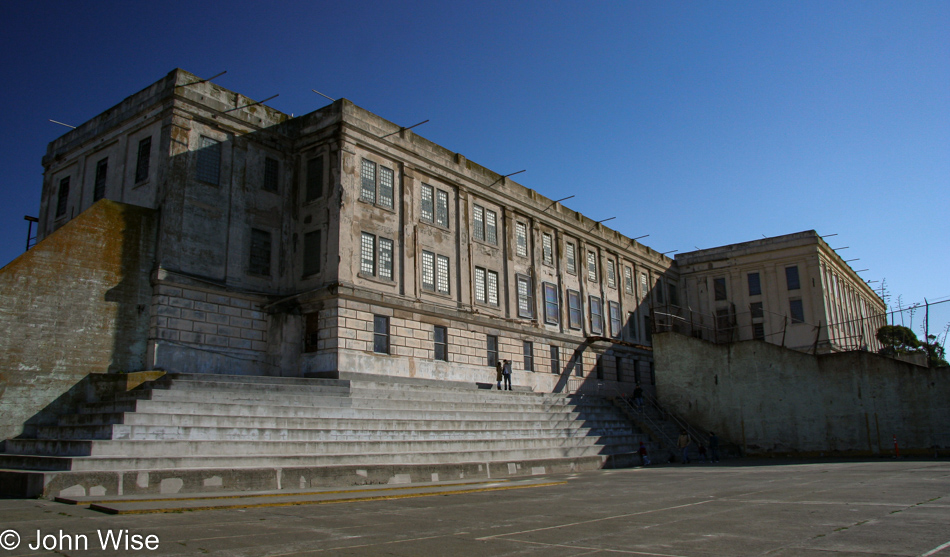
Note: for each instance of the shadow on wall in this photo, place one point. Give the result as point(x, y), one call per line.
point(76, 304)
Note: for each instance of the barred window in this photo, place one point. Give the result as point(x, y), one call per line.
point(386, 258)
point(259, 263)
point(571, 258)
point(628, 279)
point(492, 287)
point(368, 181)
point(311, 253)
point(574, 314)
point(142, 160)
point(427, 212)
point(551, 306)
point(209, 161)
point(674, 294)
point(314, 178)
point(428, 270)
point(478, 222)
point(63, 197)
point(99, 190)
point(555, 359)
point(442, 208)
point(440, 342)
point(480, 285)
point(442, 274)
point(368, 254)
point(591, 266)
point(271, 168)
point(643, 285)
point(632, 324)
point(611, 274)
point(758, 331)
point(615, 322)
point(525, 296)
point(386, 180)
point(491, 227)
point(547, 249)
point(528, 355)
point(596, 315)
point(659, 291)
point(521, 239)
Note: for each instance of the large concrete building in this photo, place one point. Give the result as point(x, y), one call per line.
point(792, 290)
point(338, 241)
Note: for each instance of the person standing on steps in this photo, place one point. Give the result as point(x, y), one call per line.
point(644, 459)
point(506, 372)
point(499, 366)
point(683, 443)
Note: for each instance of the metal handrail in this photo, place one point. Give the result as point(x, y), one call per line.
point(654, 427)
point(693, 432)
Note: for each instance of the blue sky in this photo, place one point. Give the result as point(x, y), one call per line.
point(698, 123)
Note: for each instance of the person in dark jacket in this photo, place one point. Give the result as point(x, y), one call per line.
point(506, 373)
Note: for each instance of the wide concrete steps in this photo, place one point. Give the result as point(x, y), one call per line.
point(104, 463)
point(217, 426)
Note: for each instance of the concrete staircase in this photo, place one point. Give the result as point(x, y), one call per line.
point(200, 433)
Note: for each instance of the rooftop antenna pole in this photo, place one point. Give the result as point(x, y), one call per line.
point(202, 80)
point(400, 130)
point(505, 176)
point(672, 251)
point(322, 95)
point(605, 220)
point(553, 203)
point(62, 124)
point(253, 103)
point(638, 237)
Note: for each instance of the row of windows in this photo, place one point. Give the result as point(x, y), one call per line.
point(143, 157)
point(792, 282)
point(440, 346)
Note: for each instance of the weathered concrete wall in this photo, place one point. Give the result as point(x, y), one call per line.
point(770, 399)
point(75, 304)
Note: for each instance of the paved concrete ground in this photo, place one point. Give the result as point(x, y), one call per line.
point(776, 509)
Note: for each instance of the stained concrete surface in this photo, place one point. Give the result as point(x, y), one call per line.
point(774, 508)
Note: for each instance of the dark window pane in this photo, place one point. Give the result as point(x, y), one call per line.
point(492, 347)
point(791, 277)
point(719, 285)
point(63, 197)
point(758, 331)
point(311, 253)
point(271, 168)
point(314, 178)
point(550, 304)
point(440, 336)
point(596, 315)
point(528, 356)
point(381, 334)
point(141, 163)
point(555, 359)
point(99, 190)
point(260, 253)
point(755, 286)
point(797, 311)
